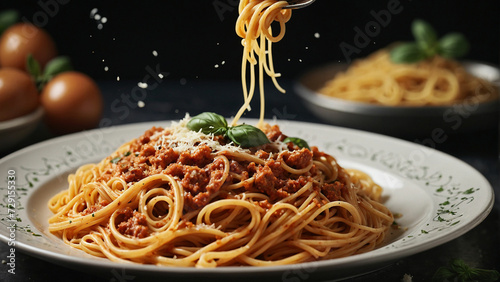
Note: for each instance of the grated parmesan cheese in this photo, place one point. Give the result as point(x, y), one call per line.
point(180, 139)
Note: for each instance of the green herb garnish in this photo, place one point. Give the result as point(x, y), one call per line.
point(407, 53)
point(115, 160)
point(246, 135)
point(55, 66)
point(301, 143)
point(208, 123)
point(243, 135)
point(8, 18)
point(458, 270)
point(469, 191)
point(427, 44)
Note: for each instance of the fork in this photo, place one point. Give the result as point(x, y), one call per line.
point(297, 4)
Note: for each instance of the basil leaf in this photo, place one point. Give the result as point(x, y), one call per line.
point(57, 65)
point(458, 270)
point(247, 136)
point(33, 66)
point(407, 53)
point(8, 18)
point(453, 45)
point(487, 274)
point(297, 141)
point(442, 274)
point(424, 34)
point(208, 123)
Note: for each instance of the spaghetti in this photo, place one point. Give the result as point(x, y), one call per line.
point(254, 27)
point(177, 197)
point(436, 81)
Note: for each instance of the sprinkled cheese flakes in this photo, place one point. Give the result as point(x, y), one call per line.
point(180, 138)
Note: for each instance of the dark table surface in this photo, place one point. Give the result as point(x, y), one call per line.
point(479, 247)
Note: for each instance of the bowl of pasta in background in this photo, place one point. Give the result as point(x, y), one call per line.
point(404, 121)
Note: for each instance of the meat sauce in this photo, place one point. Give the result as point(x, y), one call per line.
point(201, 174)
point(132, 223)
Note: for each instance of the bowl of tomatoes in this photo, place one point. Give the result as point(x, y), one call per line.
point(36, 84)
point(17, 129)
point(20, 109)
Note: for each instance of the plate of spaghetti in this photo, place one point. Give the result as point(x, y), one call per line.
point(204, 198)
point(168, 199)
point(404, 99)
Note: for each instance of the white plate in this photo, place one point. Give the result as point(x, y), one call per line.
point(439, 197)
point(401, 120)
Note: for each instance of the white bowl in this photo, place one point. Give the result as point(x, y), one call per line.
point(15, 130)
point(399, 120)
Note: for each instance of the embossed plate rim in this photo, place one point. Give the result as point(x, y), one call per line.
point(441, 176)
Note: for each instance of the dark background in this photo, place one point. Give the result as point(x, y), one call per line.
point(192, 37)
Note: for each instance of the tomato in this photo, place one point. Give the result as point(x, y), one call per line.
point(72, 102)
point(22, 39)
point(18, 94)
